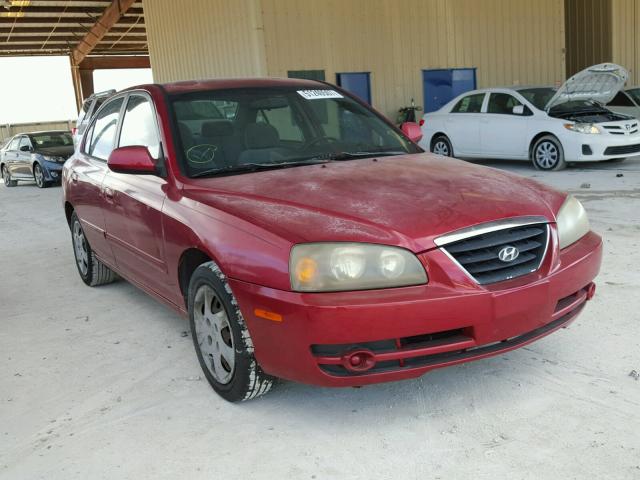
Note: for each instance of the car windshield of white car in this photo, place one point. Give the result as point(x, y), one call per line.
point(539, 97)
point(222, 131)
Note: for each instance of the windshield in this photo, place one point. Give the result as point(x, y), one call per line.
point(51, 139)
point(248, 129)
point(635, 94)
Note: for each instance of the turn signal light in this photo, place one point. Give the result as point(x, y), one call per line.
point(273, 316)
point(306, 270)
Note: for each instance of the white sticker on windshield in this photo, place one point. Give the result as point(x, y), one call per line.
point(315, 94)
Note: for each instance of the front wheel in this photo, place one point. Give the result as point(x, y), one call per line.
point(6, 176)
point(442, 146)
point(221, 338)
point(547, 154)
point(38, 175)
point(92, 271)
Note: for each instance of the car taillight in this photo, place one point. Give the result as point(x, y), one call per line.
point(74, 130)
point(421, 122)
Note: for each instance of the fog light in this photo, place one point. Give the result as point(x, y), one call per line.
point(586, 150)
point(359, 360)
point(54, 174)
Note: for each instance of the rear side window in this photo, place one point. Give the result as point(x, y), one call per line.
point(14, 144)
point(101, 139)
point(139, 126)
point(469, 104)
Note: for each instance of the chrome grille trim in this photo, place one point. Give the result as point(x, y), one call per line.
point(489, 227)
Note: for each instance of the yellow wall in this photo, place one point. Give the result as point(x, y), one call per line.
point(625, 23)
point(509, 41)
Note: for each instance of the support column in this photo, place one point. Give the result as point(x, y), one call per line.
point(77, 83)
point(86, 82)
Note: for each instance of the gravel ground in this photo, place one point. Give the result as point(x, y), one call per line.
point(103, 383)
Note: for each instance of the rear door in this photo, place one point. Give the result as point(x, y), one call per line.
point(503, 133)
point(462, 125)
point(88, 173)
point(134, 214)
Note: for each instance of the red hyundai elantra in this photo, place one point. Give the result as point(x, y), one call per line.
point(307, 238)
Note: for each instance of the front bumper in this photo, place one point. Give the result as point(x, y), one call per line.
point(52, 171)
point(406, 332)
point(601, 147)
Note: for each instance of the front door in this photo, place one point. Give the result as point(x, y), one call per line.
point(503, 133)
point(23, 158)
point(442, 85)
point(133, 215)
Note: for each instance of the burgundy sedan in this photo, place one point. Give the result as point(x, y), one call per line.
point(309, 239)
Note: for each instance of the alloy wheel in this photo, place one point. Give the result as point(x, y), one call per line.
point(213, 334)
point(441, 148)
point(80, 247)
point(547, 155)
point(39, 175)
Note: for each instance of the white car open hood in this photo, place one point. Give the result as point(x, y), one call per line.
point(599, 83)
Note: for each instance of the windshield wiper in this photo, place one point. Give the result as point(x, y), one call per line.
point(254, 167)
point(337, 156)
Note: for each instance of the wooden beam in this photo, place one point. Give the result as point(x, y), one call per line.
point(114, 62)
point(68, 47)
point(55, 10)
point(112, 15)
point(40, 39)
point(26, 30)
point(53, 21)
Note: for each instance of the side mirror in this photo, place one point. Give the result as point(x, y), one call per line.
point(412, 130)
point(25, 148)
point(518, 110)
point(134, 159)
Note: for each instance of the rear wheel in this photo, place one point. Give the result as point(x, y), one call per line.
point(221, 338)
point(92, 271)
point(38, 175)
point(6, 176)
point(442, 146)
point(547, 154)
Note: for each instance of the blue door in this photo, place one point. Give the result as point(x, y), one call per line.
point(440, 86)
point(358, 83)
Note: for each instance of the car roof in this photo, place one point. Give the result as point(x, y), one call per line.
point(42, 131)
point(228, 83)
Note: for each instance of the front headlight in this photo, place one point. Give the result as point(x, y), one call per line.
point(572, 222)
point(582, 127)
point(51, 158)
point(332, 267)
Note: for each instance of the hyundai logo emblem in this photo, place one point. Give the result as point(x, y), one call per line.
point(508, 254)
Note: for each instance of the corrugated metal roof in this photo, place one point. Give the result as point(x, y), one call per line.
point(52, 27)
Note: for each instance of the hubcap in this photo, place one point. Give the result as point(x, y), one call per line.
point(39, 176)
point(441, 148)
point(80, 248)
point(213, 334)
point(547, 155)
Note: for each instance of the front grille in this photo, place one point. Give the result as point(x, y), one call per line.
point(623, 149)
point(479, 255)
point(619, 130)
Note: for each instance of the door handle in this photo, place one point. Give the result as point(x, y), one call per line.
point(74, 177)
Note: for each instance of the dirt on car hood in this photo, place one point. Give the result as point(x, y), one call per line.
point(598, 83)
point(406, 200)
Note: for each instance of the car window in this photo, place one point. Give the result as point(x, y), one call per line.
point(139, 125)
point(284, 126)
point(502, 103)
point(24, 142)
point(104, 130)
point(469, 104)
point(621, 100)
point(14, 144)
point(539, 96)
point(83, 112)
point(635, 94)
point(52, 139)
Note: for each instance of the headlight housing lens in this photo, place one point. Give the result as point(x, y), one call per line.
point(582, 127)
point(572, 222)
point(51, 158)
point(333, 267)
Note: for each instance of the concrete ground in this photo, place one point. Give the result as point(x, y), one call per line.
point(103, 383)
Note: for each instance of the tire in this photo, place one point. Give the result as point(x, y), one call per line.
point(92, 271)
point(6, 176)
point(38, 176)
point(547, 154)
point(221, 338)
point(441, 145)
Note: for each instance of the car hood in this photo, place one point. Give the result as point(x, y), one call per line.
point(63, 151)
point(406, 200)
point(599, 83)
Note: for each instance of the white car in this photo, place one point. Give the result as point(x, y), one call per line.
point(626, 102)
point(548, 126)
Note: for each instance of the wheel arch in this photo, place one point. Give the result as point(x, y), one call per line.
point(68, 211)
point(439, 133)
point(190, 259)
point(537, 137)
